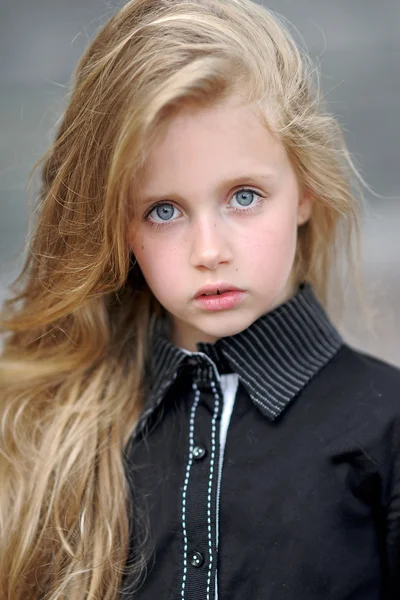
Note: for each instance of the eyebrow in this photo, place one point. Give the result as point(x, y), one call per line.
point(228, 183)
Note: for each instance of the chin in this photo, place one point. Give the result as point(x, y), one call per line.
point(231, 327)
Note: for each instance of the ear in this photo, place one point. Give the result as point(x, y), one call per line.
point(304, 207)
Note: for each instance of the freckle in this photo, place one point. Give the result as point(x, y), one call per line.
point(142, 247)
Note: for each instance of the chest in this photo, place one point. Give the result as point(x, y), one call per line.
point(238, 506)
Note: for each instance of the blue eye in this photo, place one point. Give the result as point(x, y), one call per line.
point(162, 214)
point(163, 211)
point(245, 197)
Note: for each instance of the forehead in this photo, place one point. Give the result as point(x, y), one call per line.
point(210, 144)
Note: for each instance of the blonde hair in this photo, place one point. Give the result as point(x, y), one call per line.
point(72, 371)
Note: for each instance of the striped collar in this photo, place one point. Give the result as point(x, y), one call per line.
point(274, 357)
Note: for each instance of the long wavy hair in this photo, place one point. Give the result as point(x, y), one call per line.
point(76, 327)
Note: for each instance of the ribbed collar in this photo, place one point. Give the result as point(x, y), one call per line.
point(274, 357)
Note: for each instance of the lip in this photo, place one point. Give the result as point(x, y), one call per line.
point(221, 295)
point(214, 288)
point(224, 301)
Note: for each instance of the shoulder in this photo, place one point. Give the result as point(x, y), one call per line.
point(366, 372)
point(354, 404)
point(371, 389)
point(361, 395)
point(358, 389)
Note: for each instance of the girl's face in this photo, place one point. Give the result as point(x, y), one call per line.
point(219, 204)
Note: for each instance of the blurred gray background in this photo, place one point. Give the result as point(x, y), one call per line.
point(357, 44)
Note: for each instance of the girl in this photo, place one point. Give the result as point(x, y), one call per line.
point(179, 417)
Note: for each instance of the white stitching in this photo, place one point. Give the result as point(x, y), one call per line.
point(213, 448)
point(185, 487)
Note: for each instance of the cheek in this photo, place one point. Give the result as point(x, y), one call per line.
point(274, 236)
point(159, 265)
point(271, 254)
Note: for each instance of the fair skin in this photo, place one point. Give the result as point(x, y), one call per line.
point(219, 201)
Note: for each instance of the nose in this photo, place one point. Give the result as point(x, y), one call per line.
point(210, 246)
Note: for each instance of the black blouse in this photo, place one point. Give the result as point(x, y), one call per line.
point(302, 501)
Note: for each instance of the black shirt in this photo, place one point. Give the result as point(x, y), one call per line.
point(302, 502)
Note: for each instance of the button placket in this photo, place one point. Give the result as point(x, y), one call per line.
point(200, 488)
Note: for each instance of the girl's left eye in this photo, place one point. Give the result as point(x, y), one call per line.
point(245, 197)
point(160, 215)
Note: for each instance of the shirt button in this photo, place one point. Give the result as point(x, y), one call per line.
point(199, 452)
point(197, 559)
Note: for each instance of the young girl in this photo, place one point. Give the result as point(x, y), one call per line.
point(179, 417)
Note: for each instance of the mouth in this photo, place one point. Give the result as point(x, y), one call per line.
point(220, 299)
point(217, 293)
point(216, 290)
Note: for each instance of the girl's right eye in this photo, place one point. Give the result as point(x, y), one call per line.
point(161, 214)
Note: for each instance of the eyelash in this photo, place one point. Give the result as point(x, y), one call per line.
point(168, 223)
